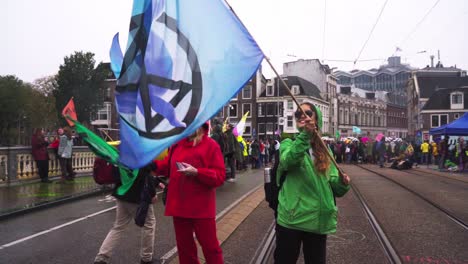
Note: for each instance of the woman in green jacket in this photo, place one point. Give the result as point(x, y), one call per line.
point(306, 210)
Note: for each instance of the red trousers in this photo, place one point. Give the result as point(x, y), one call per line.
point(205, 231)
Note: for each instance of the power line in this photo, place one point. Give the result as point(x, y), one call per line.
point(419, 23)
point(372, 30)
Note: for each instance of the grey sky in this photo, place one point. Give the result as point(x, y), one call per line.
point(37, 35)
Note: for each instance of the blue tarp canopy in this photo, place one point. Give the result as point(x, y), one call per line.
point(458, 127)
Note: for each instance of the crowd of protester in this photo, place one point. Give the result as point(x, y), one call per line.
point(239, 153)
point(446, 155)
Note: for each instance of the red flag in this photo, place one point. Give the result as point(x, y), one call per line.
point(69, 110)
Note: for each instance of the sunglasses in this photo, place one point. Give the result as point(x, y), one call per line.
point(298, 113)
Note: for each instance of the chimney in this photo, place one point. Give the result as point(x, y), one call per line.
point(432, 61)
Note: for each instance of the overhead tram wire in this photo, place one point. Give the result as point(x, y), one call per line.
point(419, 23)
point(370, 34)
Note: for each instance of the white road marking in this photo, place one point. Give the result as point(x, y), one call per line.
point(55, 228)
point(59, 226)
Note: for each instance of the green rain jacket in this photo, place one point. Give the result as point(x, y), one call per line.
point(306, 200)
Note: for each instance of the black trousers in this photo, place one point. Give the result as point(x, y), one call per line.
point(66, 168)
point(231, 162)
point(43, 169)
point(288, 245)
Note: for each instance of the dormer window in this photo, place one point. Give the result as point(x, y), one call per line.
point(269, 90)
point(295, 90)
point(456, 100)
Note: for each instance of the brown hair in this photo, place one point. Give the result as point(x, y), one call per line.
point(321, 161)
point(67, 132)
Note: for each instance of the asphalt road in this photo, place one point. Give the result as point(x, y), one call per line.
point(73, 232)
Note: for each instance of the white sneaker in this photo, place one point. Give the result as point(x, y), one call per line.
point(231, 180)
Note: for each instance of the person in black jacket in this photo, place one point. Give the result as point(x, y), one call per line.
point(135, 203)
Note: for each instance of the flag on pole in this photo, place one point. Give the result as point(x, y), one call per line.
point(356, 130)
point(185, 59)
point(107, 152)
point(240, 127)
point(337, 135)
point(69, 110)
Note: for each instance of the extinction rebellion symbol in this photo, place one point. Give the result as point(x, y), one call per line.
point(154, 108)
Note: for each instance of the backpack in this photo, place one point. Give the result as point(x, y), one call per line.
point(271, 189)
point(104, 172)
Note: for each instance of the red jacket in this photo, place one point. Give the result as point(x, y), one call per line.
point(39, 148)
point(193, 196)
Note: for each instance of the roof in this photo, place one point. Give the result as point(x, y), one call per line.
point(440, 99)
point(306, 87)
point(429, 85)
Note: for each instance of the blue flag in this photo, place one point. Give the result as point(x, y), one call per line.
point(184, 60)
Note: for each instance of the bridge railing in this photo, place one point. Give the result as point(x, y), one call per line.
point(17, 164)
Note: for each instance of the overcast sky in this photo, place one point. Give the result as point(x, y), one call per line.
point(37, 35)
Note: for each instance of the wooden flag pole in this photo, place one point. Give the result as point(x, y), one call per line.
point(317, 134)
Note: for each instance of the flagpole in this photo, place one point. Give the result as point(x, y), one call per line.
point(317, 132)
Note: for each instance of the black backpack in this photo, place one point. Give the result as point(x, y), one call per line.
point(271, 189)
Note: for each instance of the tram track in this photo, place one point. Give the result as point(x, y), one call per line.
point(426, 172)
point(450, 215)
point(394, 250)
point(265, 252)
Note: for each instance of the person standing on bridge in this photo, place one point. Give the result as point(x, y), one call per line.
point(40, 154)
point(307, 212)
point(128, 199)
point(195, 166)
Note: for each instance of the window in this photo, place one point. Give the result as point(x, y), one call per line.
point(295, 90)
point(439, 120)
point(290, 121)
point(456, 100)
point(260, 109)
point(232, 110)
point(261, 128)
point(269, 90)
point(269, 128)
point(290, 105)
point(247, 130)
point(245, 109)
point(271, 109)
point(247, 92)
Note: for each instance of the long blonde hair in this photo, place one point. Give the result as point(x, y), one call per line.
point(197, 136)
point(321, 161)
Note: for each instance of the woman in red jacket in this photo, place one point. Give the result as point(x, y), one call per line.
point(40, 154)
point(195, 167)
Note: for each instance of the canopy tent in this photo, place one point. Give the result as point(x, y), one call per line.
point(458, 127)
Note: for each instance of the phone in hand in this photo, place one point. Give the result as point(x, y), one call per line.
point(180, 166)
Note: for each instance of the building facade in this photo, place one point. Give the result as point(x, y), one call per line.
point(276, 108)
point(243, 102)
point(313, 71)
point(391, 77)
point(361, 108)
point(429, 83)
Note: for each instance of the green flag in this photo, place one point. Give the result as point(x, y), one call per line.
point(337, 135)
point(107, 152)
